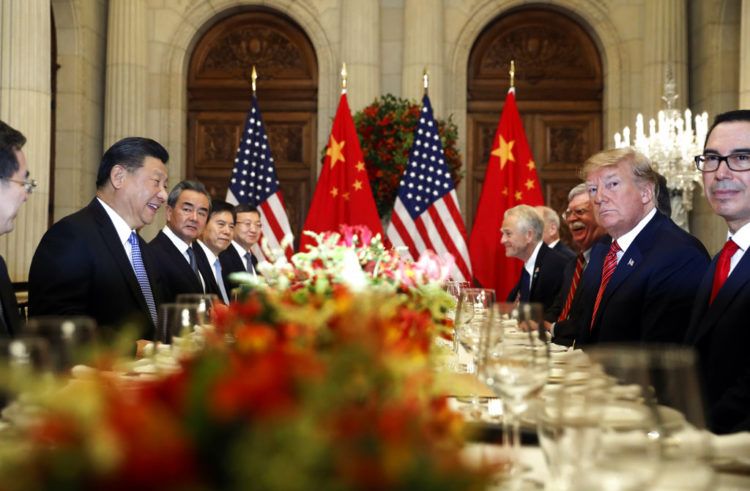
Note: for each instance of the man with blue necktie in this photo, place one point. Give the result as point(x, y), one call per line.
point(216, 237)
point(642, 277)
point(239, 257)
point(719, 322)
point(15, 187)
point(541, 276)
point(93, 262)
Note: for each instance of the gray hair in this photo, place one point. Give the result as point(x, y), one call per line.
point(577, 190)
point(528, 219)
point(187, 185)
point(549, 215)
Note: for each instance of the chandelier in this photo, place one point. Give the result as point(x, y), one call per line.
point(672, 143)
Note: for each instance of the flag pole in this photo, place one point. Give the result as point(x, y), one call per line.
point(343, 78)
point(425, 81)
point(253, 78)
point(512, 75)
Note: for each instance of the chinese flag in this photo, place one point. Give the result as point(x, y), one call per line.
point(343, 194)
point(510, 180)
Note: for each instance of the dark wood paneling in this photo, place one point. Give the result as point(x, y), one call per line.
point(219, 97)
point(558, 91)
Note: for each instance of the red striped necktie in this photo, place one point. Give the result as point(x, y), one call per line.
point(722, 267)
point(610, 263)
point(580, 261)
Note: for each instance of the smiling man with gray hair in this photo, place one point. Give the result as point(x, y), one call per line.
point(541, 276)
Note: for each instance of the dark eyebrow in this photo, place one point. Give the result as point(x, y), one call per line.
point(736, 150)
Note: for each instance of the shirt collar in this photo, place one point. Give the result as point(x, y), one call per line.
point(529, 265)
point(209, 253)
point(240, 250)
point(552, 244)
point(741, 237)
point(180, 244)
point(121, 226)
point(627, 238)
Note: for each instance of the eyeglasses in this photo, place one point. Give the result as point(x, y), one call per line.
point(578, 212)
point(28, 184)
point(738, 162)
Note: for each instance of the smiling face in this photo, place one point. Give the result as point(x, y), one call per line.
point(13, 194)
point(247, 229)
point(189, 215)
point(517, 241)
point(581, 222)
point(218, 232)
point(619, 201)
point(138, 194)
point(728, 191)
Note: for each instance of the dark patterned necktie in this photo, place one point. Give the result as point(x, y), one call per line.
point(580, 262)
point(249, 262)
point(610, 263)
point(141, 275)
point(525, 287)
point(722, 267)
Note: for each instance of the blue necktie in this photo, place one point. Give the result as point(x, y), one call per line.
point(249, 263)
point(141, 275)
point(525, 285)
point(220, 280)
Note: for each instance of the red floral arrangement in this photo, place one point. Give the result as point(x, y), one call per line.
point(386, 134)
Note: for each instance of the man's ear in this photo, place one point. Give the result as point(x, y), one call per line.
point(117, 176)
point(647, 193)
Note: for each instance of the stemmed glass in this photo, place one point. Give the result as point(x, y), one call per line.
point(71, 339)
point(204, 303)
point(515, 361)
point(653, 427)
point(177, 323)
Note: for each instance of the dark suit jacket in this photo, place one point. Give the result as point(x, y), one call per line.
point(176, 272)
point(650, 294)
point(563, 250)
point(546, 280)
point(566, 330)
point(10, 323)
point(231, 262)
point(81, 268)
point(721, 336)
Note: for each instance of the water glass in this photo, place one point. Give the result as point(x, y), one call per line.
point(72, 340)
point(204, 303)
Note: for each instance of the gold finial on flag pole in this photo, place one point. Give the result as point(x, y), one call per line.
point(512, 74)
point(343, 78)
point(425, 80)
point(253, 78)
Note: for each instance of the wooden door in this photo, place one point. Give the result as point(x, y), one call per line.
point(558, 90)
point(219, 92)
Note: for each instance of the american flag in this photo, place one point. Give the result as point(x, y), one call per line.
point(254, 181)
point(426, 213)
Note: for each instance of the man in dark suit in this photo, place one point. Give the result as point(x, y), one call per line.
point(215, 239)
point(541, 276)
point(642, 278)
point(93, 262)
point(719, 322)
point(182, 264)
point(585, 231)
point(15, 187)
point(239, 256)
point(551, 234)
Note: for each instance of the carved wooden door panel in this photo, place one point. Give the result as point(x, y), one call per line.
point(219, 93)
point(558, 90)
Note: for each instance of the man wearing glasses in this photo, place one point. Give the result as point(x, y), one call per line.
point(719, 322)
point(641, 281)
point(238, 257)
point(585, 231)
point(15, 187)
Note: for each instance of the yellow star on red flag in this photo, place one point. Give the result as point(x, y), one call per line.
point(335, 151)
point(504, 151)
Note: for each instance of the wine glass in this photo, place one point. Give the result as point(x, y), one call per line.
point(570, 408)
point(72, 339)
point(515, 361)
point(175, 331)
point(204, 302)
point(25, 363)
point(652, 427)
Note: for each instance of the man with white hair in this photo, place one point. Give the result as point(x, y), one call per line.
point(551, 233)
point(541, 276)
point(585, 231)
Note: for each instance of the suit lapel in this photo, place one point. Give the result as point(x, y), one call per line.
point(537, 267)
point(117, 251)
point(179, 259)
point(709, 315)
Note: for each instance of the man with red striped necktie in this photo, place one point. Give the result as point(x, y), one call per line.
point(585, 231)
point(641, 280)
point(719, 322)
